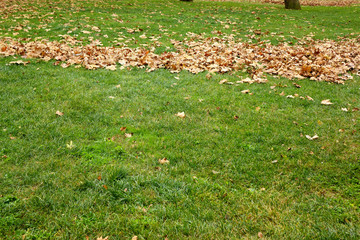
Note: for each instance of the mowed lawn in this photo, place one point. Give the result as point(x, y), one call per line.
point(239, 165)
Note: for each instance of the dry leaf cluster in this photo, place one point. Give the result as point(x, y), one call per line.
point(324, 60)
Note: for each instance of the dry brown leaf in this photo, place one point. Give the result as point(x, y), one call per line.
point(19, 62)
point(223, 81)
point(245, 91)
point(326, 102)
point(296, 85)
point(128, 135)
point(101, 238)
point(64, 65)
point(312, 138)
point(59, 113)
point(164, 161)
point(134, 238)
point(180, 115)
point(111, 68)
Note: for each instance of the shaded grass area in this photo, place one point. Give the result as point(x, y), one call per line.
point(222, 181)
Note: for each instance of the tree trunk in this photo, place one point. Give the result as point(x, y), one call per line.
point(292, 4)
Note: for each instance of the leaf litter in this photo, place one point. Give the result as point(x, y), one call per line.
point(321, 60)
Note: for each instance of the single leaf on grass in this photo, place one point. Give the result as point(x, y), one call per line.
point(309, 98)
point(19, 62)
point(70, 145)
point(164, 161)
point(223, 81)
point(122, 128)
point(296, 85)
point(312, 138)
point(180, 115)
point(101, 238)
point(59, 113)
point(245, 91)
point(128, 135)
point(326, 102)
point(344, 109)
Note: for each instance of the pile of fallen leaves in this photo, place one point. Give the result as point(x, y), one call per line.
point(325, 60)
point(338, 3)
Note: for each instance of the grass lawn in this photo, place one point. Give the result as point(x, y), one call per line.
point(240, 165)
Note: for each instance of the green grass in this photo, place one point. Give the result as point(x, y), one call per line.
point(222, 181)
